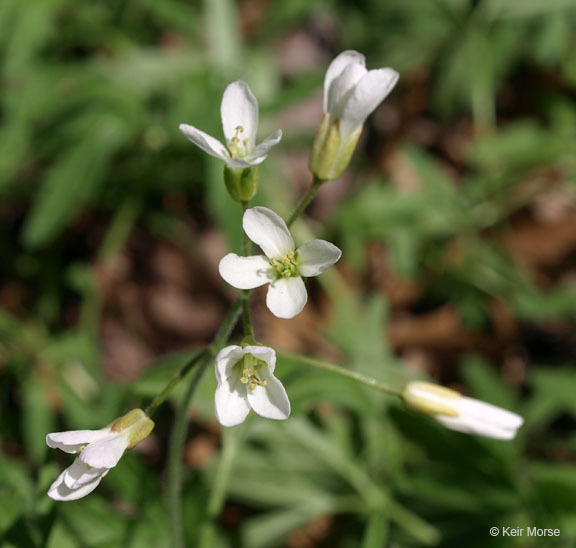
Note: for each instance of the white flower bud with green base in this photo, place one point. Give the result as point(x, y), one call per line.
point(351, 93)
point(457, 412)
point(239, 112)
point(98, 451)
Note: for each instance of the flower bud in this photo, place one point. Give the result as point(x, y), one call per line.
point(242, 183)
point(461, 413)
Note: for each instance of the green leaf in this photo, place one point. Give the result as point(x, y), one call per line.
point(72, 180)
point(376, 531)
point(38, 419)
point(553, 394)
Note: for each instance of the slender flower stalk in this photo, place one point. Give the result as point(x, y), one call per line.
point(342, 371)
point(173, 382)
point(305, 201)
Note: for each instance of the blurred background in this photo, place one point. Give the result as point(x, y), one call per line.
point(457, 219)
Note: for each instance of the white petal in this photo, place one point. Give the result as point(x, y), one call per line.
point(79, 473)
point(59, 491)
point(493, 418)
point(105, 453)
point(206, 142)
point(264, 147)
point(225, 360)
point(270, 401)
point(367, 95)
point(337, 66)
point(316, 256)
point(239, 108)
point(476, 426)
point(230, 403)
point(286, 297)
point(247, 161)
point(481, 418)
point(267, 229)
point(264, 353)
point(342, 88)
point(73, 440)
point(245, 272)
point(489, 413)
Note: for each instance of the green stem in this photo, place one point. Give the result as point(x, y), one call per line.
point(246, 319)
point(306, 199)
point(159, 399)
point(368, 381)
point(177, 440)
point(218, 493)
point(178, 436)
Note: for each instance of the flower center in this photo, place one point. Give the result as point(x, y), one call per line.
point(249, 367)
point(286, 266)
point(238, 147)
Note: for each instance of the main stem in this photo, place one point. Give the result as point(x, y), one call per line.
point(231, 441)
point(306, 199)
point(319, 364)
point(177, 440)
point(246, 319)
point(178, 437)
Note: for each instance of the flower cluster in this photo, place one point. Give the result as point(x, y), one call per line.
point(245, 374)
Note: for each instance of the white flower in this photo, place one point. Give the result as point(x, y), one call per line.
point(239, 111)
point(351, 92)
point(460, 413)
point(282, 265)
point(246, 380)
point(99, 450)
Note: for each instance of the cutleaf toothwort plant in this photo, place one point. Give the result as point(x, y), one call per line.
point(245, 371)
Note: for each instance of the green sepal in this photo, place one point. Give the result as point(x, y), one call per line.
point(242, 183)
point(330, 155)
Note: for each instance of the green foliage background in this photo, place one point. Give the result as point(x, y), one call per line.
point(91, 95)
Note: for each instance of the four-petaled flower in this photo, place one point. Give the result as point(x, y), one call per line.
point(99, 450)
point(246, 380)
point(239, 111)
point(351, 93)
point(282, 265)
point(457, 412)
